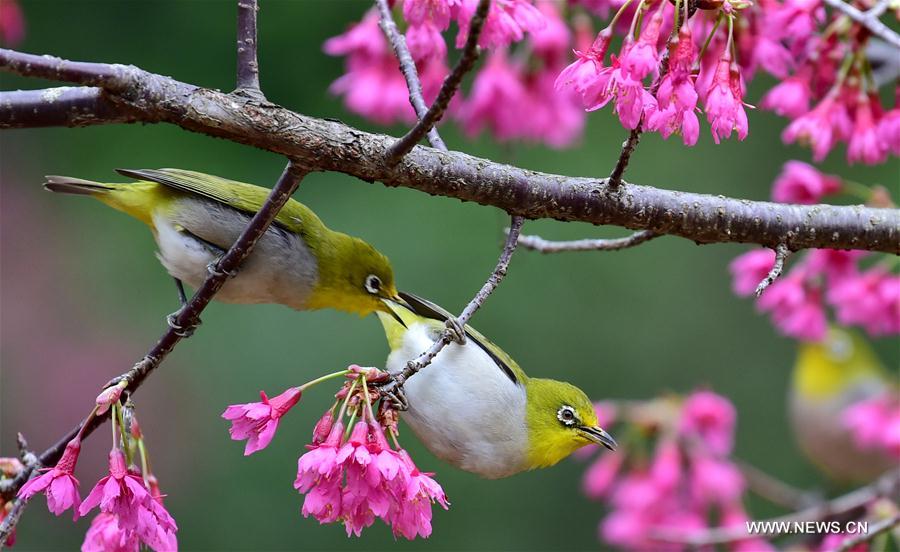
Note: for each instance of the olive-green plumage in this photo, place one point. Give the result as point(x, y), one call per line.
point(195, 217)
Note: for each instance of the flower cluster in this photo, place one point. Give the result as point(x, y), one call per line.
point(130, 502)
point(687, 480)
point(860, 287)
point(875, 424)
point(350, 472)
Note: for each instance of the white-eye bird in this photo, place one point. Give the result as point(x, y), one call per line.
point(195, 218)
point(828, 377)
point(475, 408)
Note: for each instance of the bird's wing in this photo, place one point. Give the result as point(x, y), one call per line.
point(426, 309)
point(237, 195)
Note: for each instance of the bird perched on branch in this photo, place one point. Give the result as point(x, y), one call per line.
point(196, 217)
point(474, 407)
point(829, 377)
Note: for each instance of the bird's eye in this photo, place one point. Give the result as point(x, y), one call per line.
point(566, 415)
point(373, 284)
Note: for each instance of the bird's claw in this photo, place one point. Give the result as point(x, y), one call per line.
point(213, 269)
point(393, 392)
point(455, 330)
point(181, 331)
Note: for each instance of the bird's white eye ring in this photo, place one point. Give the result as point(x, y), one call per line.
point(373, 284)
point(566, 415)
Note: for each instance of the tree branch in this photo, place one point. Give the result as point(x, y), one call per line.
point(189, 315)
point(869, 20)
point(247, 63)
point(408, 68)
point(332, 146)
point(876, 529)
point(63, 106)
point(615, 177)
point(448, 89)
point(489, 286)
point(775, 490)
point(537, 243)
point(781, 253)
point(886, 485)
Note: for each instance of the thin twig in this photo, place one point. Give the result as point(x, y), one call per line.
point(775, 490)
point(408, 68)
point(886, 485)
point(867, 20)
point(781, 253)
point(329, 145)
point(537, 243)
point(247, 62)
point(875, 529)
point(189, 315)
point(615, 177)
point(489, 286)
point(448, 89)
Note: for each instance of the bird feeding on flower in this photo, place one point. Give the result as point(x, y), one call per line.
point(196, 217)
point(475, 408)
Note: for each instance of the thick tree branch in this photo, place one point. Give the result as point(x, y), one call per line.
point(247, 62)
point(448, 88)
point(189, 315)
point(408, 68)
point(869, 20)
point(489, 286)
point(63, 106)
point(887, 485)
point(332, 146)
point(537, 243)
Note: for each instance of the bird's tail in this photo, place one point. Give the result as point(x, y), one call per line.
point(71, 185)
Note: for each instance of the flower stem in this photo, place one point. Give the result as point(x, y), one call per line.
point(709, 37)
point(368, 400)
point(616, 17)
point(857, 189)
point(145, 462)
point(347, 399)
point(326, 377)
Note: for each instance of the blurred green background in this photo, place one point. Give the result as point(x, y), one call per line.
point(83, 296)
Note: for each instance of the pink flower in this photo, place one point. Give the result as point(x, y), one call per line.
point(319, 477)
point(749, 269)
point(871, 300)
point(587, 67)
point(105, 535)
point(627, 528)
point(642, 57)
point(323, 427)
point(110, 396)
point(835, 264)
point(425, 41)
point(889, 131)
point(733, 515)
point(834, 541)
point(411, 515)
point(437, 12)
point(821, 128)
point(496, 92)
point(554, 118)
point(723, 106)
point(676, 97)
point(790, 98)
point(600, 476)
point(715, 481)
point(666, 467)
point(795, 307)
point(58, 483)
point(12, 23)
point(507, 21)
point(258, 421)
point(801, 183)
point(772, 56)
point(125, 496)
point(711, 418)
point(865, 145)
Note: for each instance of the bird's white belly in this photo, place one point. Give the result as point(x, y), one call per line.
point(463, 407)
point(281, 268)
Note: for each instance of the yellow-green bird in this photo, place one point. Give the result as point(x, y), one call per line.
point(828, 377)
point(475, 408)
point(195, 218)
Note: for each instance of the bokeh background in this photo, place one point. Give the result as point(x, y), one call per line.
point(83, 296)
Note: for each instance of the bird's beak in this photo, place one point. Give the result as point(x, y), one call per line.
point(599, 436)
point(392, 304)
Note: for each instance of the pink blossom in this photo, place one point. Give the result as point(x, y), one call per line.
point(507, 22)
point(551, 43)
point(835, 264)
point(627, 528)
point(554, 118)
point(587, 69)
point(711, 418)
point(834, 541)
point(125, 496)
point(801, 183)
point(865, 146)
point(666, 466)
point(495, 93)
point(821, 128)
point(106, 535)
point(411, 516)
point(771, 55)
point(723, 106)
point(790, 98)
point(12, 23)
point(796, 308)
point(58, 483)
point(733, 515)
point(425, 41)
point(600, 476)
point(319, 477)
point(323, 427)
point(715, 481)
point(616, 82)
point(889, 131)
point(797, 19)
point(676, 98)
point(749, 269)
point(110, 396)
point(871, 300)
point(642, 57)
point(258, 421)
point(437, 12)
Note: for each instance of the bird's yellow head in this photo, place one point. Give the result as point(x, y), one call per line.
point(561, 420)
point(827, 368)
point(353, 277)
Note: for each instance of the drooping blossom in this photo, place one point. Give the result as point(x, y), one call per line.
point(258, 421)
point(507, 22)
point(723, 103)
point(319, 476)
point(821, 128)
point(802, 183)
point(749, 269)
point(411, 512)
point(58, 483)
point(789, 98)
point(124, 495)
point(889, 130)
point(106, 535)
point(676, 97)
point(875, 424)
point(865, 146)
point(796, 307)
point(427, 19)
point(870, 299)
point(711, 418)
point(496, 92)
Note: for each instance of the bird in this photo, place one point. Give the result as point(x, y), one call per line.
point(195, 217)
point(828, 377)
point(474, 407)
